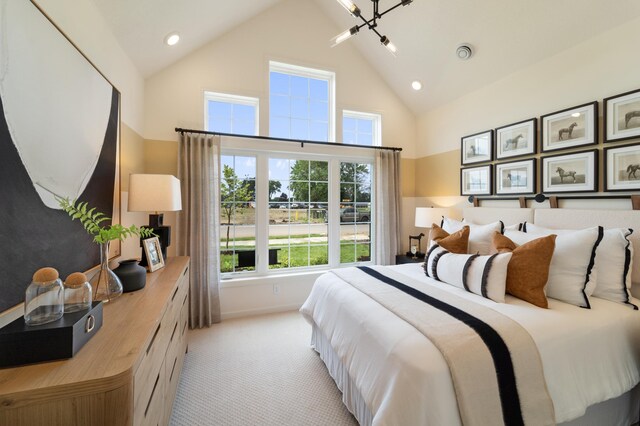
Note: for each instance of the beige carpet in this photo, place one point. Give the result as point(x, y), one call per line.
point(257, 371)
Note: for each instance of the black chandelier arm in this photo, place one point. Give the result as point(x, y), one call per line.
point(390, 9)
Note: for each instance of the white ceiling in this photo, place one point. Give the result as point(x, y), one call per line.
point(507, 35)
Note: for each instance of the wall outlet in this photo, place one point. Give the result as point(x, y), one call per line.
point(276, 289)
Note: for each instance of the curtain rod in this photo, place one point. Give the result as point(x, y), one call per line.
point(300, 141)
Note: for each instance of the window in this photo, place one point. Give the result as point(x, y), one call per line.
point(355, 212)
point(301, 103)
point(237, 214)
point(230, 114)
point(298, 205)
point(361, 128)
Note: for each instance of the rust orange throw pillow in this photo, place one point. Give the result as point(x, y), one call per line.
point(528, 270)
point(458, 242)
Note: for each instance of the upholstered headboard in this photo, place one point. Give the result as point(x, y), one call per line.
point(484, 215)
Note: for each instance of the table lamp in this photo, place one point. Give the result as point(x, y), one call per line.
point(155, 193)
point(427, 216)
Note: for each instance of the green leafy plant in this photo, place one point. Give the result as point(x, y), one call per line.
point(91, 220)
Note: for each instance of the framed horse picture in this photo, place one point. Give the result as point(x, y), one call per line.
point(622, 116)
point(518, 177)
point(477, 148)
point(576, 172)
point(571, 127)
point(622, 168)
point(475, 180)
point(517, 139)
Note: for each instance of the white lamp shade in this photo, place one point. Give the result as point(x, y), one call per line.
point(154, 193)
point(427, 216)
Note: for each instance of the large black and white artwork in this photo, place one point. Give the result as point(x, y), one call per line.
point(59, 136)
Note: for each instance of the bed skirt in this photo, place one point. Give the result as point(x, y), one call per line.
point(620, 411)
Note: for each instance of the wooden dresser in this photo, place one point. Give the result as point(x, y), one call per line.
point(127, 374)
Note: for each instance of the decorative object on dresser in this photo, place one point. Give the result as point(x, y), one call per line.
point(622, 116)
point(477, 148)
point(152, 251)
point(516, 140)
point(77, 112)
point(622, 168)
point(475, 180)
point(77, 293)
point(155, 193)
point(126, 375)
point(26, 344)
point(576, 172)
point(106, 285)
point(571, 127)
point(518, 177)
point(132, 276)
point(44, 298)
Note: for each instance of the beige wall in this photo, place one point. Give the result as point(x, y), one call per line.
point(597, 68)
point(238, 63)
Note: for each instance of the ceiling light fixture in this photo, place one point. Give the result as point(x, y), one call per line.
point(172, 39)
point(372, 23)
point(416, 85)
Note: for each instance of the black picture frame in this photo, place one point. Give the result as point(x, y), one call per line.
point(608, 117)
point(609, 184)
point(532, 134)
point(563, 130)
point(464, 156)
point(532, 178)
point(593, 186)
point(489, 172)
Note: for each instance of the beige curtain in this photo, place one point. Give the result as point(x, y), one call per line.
point(388, 205)
point(198, 223)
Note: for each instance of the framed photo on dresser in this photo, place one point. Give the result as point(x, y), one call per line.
point(518, 177)
point(477, 148)
point(576, 172)
point(571, 127)
point(622, 116)
point(516, 140)
point(475, 180)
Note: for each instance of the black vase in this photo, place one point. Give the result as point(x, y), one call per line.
point(132, 275)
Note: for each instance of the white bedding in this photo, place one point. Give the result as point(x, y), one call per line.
point(588, 356)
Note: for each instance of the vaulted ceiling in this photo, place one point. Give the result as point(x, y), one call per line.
point(506, 35)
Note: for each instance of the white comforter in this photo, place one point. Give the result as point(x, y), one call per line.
point(588, 356)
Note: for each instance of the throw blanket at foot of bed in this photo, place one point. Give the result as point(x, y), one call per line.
point(495, 366)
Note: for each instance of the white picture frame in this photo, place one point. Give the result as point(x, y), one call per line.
point(476, 148)
point(569, 128)
point(622, 117)
point(475, 180)
point(153, 251)
point(576, 172)
point(622, 168)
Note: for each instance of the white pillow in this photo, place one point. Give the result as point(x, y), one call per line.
point(479, 235)
point(614, 258)
point(485, 276)
point(572, 276)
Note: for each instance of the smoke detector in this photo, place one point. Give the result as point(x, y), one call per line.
point(464, 52)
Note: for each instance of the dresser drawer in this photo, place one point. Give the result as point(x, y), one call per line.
point(152, 412)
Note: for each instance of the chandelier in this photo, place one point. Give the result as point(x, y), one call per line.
point(369, 23)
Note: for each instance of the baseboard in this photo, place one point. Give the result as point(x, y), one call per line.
point(261, 311)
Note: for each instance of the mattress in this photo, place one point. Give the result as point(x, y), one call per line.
point(588, 356)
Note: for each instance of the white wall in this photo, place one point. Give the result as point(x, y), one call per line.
point(597, 68)
point(81, 21)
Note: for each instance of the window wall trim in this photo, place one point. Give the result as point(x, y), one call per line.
point(377, 123)
point(229, 98)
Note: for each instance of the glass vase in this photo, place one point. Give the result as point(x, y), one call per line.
point(106, 285)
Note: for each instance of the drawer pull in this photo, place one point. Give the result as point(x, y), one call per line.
point(184, 327)
point(174, 293)
point(185, 299)
point(175, 361)
point(175, 327)
point(155, 385)
point(153, 339)
point(185, 272)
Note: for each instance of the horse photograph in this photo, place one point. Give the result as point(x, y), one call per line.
point(566, 129)
point(477, 148)
point(516, 139)
point(516, 178)
point(627, 166)
point(622, 116)
point(628, 115)
point(622, 168)
point(571, 127)
point(570, 172)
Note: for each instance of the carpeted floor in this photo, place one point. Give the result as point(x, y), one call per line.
point(257, 371)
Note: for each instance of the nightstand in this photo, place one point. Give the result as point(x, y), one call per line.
point(403, 258)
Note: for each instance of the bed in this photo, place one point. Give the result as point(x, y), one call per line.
point(391, 374)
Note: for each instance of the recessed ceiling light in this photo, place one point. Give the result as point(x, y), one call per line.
point(172, 39)
point(575, 114)
point(416, 85)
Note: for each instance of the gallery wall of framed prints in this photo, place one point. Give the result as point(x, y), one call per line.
point(572, 158)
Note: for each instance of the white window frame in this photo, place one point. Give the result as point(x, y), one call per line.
point(300, 71)
point(262, 154)
point(376, 137)
point(231, 99)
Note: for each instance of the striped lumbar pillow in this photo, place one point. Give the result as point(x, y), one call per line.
point(485, 276)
